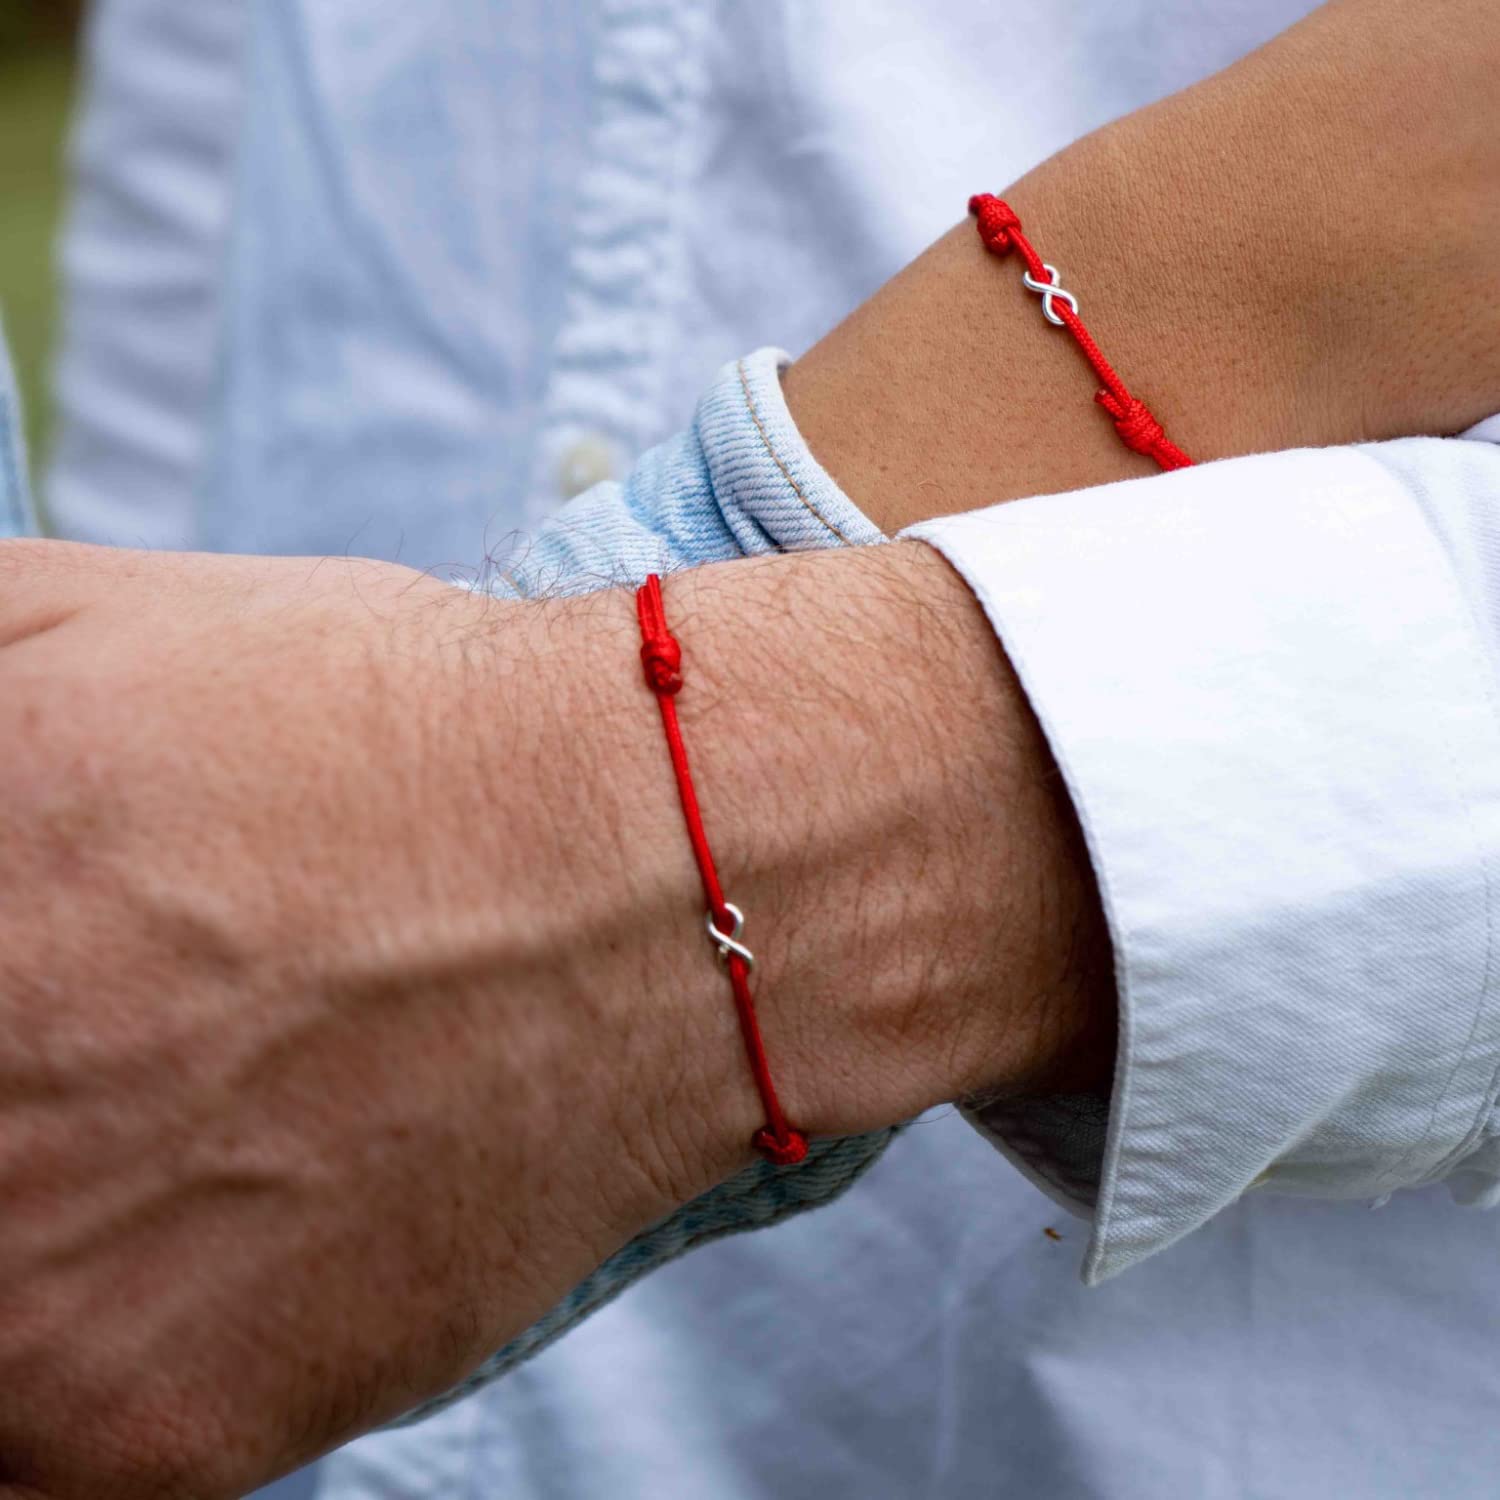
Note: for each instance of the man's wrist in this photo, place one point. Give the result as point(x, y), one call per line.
point(883, 808)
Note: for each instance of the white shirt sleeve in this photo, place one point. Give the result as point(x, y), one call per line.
point(1270, 686)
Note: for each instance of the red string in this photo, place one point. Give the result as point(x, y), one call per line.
point(777, 1140)
point(1000, 230)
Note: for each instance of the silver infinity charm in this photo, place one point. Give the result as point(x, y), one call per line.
point(1050, 291)
point(729, 944)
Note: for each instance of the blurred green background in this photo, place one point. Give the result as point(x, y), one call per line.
point(38, 48)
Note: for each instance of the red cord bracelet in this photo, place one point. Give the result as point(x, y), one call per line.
point(780, 1142)
point(1000, 230)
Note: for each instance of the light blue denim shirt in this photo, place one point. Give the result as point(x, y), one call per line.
point(17, 518)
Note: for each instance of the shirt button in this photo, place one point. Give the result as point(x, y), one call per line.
point(584, 463)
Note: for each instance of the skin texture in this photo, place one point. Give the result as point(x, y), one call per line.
point(1300, 250)
point(351, 964)
point(348, 1027)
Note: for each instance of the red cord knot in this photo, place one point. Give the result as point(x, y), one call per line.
point(1138, 429)
point(996, 220)
point(661, 656)
point(781, 1151)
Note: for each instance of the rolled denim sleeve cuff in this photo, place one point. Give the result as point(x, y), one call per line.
point(1264, 686)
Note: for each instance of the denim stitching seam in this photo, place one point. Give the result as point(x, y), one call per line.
point(786, 473)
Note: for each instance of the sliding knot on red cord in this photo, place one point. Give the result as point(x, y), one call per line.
point(662, 659)
point(780, 1152)
point(1139, 430)
point(661, 655)
point(996, 220)
point(778, 1141)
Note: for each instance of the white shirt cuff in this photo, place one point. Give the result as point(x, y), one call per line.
point(1266, 691)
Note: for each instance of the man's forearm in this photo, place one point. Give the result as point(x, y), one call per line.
point(355, 973)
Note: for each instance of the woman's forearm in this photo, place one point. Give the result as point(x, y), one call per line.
point(1260, 275)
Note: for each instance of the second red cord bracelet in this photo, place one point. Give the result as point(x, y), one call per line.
point(1000, 229)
